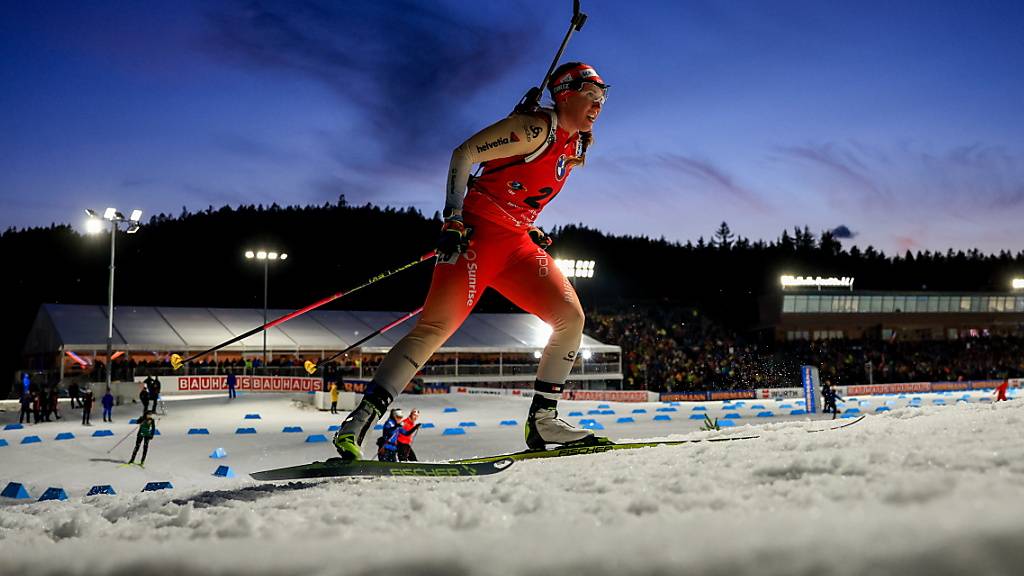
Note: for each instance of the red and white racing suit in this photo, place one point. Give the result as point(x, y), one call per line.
point(500, 206)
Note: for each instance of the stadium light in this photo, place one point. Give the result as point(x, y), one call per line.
point(587, 354)
point(266, 256)
point(94, 225)
point(1018, 283)
point(575, 268)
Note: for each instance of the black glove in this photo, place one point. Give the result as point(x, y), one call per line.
point(539, 237)
point(454, 239)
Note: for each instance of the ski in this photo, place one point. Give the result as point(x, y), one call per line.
point(336, 467)
point(610, 446)
point(591, 449)
point(850, 423)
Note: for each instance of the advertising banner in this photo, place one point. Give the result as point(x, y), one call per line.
point(193, 384)
point(809, 378)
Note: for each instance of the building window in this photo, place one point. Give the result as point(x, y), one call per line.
point(965, 303)
point(788, 303)
point(800, 304)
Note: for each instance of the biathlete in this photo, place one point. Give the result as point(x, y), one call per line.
point(489, 240)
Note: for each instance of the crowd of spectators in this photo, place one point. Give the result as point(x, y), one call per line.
point(677, 350)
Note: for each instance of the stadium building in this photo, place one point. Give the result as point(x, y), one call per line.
point(67, 340)
point(823, 308)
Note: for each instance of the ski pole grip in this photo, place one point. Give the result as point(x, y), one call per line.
point(579, 20)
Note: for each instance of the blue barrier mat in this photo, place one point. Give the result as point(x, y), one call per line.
point(732, 415)
point(664, 417)
point(509, 423)
point(765, 414)
point(725, 423)
point(312, 438)
point(195, 431)
point(101, 489)
point(467, 424)
point(253, 417)
point(64, 436)
point(450, 409)
point(453, 431)
point(100, 433)
point(625, 420)
point(15, 490)
point(291, 429)
point(245, 431)
point(53, 493)
point(14, 427)
point(31, 440)
point(154, 486)
point(797, 412)
point(639, 411)
point(224, 472)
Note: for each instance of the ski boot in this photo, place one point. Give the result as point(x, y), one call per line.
point(543, 426)
point(349, 437)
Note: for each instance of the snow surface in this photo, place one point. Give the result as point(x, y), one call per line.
point(931, 490)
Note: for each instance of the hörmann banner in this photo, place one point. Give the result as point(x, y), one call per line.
point(809, 378)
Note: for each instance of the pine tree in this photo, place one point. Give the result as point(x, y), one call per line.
point(723, 237)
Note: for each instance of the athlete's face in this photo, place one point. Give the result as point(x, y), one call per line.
point(582, 107)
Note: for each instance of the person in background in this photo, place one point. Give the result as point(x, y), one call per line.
point(26, 408)
point(388, 442)
point(36, 409)
point(108, 406)
point(86, 407)
point(232, 383)
point(144, 393)
point(406, 432)
point(54, 402)
point(26, 381)
point(147, 429)
point(334, 397)
point(154, 392)
point(828, 394)
point(74, 391)
point(44, 404)
point(1001, 390)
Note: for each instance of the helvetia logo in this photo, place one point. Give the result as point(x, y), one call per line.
point(492, 144)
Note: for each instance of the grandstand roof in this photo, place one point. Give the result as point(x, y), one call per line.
point(78, 327)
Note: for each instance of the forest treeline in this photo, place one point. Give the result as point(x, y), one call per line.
point(196, 259)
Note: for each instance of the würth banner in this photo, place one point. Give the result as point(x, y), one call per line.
point(249, 383)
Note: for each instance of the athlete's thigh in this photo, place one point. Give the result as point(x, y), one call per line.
point(533, 282)
point(456, 288)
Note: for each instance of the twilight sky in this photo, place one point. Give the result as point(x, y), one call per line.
point(902, 121)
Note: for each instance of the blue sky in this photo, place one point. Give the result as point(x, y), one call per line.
point(899, 120)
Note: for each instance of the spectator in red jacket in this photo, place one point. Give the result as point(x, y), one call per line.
point(1001, 390)
point(406, 431)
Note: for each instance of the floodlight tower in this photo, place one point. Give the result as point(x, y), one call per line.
point(94, 225)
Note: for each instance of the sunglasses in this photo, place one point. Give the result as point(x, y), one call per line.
point(594, 92)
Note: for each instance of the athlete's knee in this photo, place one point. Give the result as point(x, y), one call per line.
point(571, 320)
point(432, 331)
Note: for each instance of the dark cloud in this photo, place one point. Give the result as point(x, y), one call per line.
point(710, 173)
point(841, 161)
point(405, 66)
point(842, 232)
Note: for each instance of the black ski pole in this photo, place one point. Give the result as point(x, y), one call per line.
point(121, 440)
point(177, 361)
point(312, 368)
point(532, 98)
